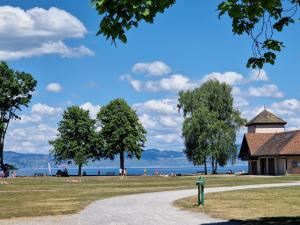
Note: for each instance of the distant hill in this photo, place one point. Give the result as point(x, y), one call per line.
point(150, 157)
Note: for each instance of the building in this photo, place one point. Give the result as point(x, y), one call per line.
point(268, 148)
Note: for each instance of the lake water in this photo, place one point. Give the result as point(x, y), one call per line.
point(134, 170)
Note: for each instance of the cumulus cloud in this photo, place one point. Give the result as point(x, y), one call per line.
point(227, 77)
point(268, 90)
point(163, 106)
point(286, 107)
point(147, 121)
point(93, 109)
point(161, 119)
point(43, 109)
point(167, 138)
point(174, 83)
point(54, 87)
point(136, 84)
point(34, 118)
point(38, 31)
point(258, 75)
point(31, 139)
point(156, 68)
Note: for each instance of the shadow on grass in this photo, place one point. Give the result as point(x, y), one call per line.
point(262, 221)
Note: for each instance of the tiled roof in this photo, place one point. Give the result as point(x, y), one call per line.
point(260, 144)
point(266, 117)
point(256, 140)
point(286, 143)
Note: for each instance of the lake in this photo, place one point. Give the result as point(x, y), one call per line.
point(133, 170)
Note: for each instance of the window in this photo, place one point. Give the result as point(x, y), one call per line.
point(295, 164)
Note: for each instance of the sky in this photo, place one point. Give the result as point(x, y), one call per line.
point(55, 41)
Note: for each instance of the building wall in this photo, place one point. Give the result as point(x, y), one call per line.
point(293, 165)
point(269, 128)
point(251, 129)
point(283, 165)
point(280, 166)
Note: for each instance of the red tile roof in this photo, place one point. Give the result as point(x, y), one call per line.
point(256, 140)
point(262, 144)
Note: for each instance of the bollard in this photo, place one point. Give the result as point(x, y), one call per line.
point(200, 183)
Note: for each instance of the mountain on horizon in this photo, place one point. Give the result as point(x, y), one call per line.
point(150, 157)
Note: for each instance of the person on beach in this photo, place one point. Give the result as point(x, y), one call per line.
point(121, 173)
point(145, 172)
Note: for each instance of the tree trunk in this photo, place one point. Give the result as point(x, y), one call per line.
point(122, 160)
point(2, 157)
point(205, 168)
point(216, 167)
point(79, 169)
point(212, 165)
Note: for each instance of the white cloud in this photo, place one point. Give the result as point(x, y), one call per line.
point(38, 31)
point(34, 118)
point(258, 75)
point(163, 123)
point(147, 121)
point(227, 77)
point(31, 139)
point(239, 101)
point(171, 121)
point(54, 87)
point(176, 82)
point(286, 107)
point(43, 109)
point(166, 138)
point(156, 68)
point(93, 109)
point(165, 106)
point(136, 84)
point(268, 90)
point(293, 123)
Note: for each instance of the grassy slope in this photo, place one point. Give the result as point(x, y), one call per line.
point(37, 196)
point(270, 206)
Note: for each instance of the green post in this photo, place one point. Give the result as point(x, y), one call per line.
point(200, 183)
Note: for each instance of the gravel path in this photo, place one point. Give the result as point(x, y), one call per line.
point(140, 209)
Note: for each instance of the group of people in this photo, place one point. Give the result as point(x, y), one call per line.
point(123, 173)
point(7, 174)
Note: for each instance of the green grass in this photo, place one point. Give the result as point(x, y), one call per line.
point(38, 196)
point(257, 206)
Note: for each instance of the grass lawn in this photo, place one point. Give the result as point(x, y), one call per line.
point(37, 196)
point(257, 206)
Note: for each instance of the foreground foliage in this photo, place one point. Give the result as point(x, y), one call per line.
point(260, 20)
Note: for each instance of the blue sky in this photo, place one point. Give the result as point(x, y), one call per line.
point(55, 41)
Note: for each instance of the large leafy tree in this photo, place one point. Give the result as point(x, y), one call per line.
point(15, 92)
point(122, 131)
point(77, 139)
point(259, 19)
point(210, 125)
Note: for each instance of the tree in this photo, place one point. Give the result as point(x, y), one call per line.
point(77, 139)
point(122, 131)
point(210, 124)
point(16, 92)
point(260, 20)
